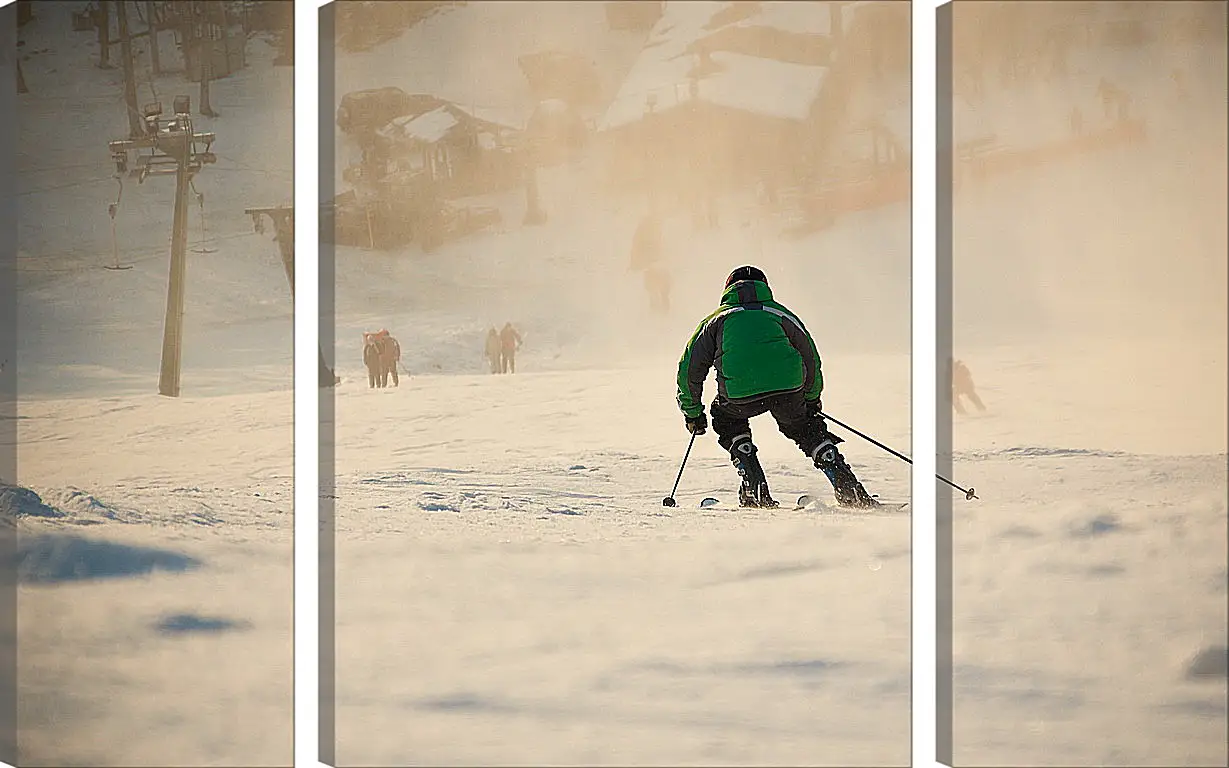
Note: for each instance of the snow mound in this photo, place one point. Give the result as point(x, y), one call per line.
point(18, 502)
point(1209, 664)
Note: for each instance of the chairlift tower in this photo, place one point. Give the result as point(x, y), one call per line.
point(173, 147)
point(283, 229)
point(283, 233)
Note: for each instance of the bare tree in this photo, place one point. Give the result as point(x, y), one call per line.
point(135, 126)
point(205, 50)
point(104, 34)
point(151, 18)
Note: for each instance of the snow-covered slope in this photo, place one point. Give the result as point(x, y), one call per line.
point(508, 577)
point(1090, 304)
point(154, 609)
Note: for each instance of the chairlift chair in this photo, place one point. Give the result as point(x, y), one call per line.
point(200, 200)
point(112, 209)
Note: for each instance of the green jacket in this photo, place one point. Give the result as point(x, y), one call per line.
point(758, 347)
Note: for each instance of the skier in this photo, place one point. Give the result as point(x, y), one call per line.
point(371, 358)
point(962, 384)
point(647, 256)
point(493, 349)
point(766, 362)
point(510, 341)
point(390, 352)
point(646, 248)
point(657, 285)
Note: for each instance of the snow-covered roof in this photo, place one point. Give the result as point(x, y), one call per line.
point(682, 23)
point(511, 118)
point(754, 84)
point(763, 86)
point(749, 83)
point(428, 127)
point(806, 18)
point(662, 66)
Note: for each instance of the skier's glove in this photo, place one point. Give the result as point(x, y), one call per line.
point(697, 425)
point(814, 407)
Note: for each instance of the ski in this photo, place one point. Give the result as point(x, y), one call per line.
point(806, 500)
point(708, 502)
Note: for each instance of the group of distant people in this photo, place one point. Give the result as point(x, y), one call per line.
point(501, 347)
point(381, 353)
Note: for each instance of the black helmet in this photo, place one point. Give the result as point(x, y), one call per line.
point(746, 272)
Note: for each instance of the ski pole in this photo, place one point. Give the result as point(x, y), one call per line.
point(669, 500)
point(968, 492)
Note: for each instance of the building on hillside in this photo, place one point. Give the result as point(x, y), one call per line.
point(407, 138)
point(731, 96)
point(694, 116)
point(416, 152)
point(450, 148)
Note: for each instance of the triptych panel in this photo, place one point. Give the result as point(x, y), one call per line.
point(617, 383)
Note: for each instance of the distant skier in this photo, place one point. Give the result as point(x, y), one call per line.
point(509, 343)
point(1115, 101)
point(493, 349)
point(962, 385)
point(392, 356)
point(1178, 76)
point(657, 285)
point(646, 248)
point(648, 256)
point(371, 358)
point(766, 362)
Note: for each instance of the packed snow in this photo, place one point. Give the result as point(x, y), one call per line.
point(1090, 305)
point(155, 534)
point(510, 588)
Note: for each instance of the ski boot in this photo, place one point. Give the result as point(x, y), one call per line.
point(853, 494)
point(849, 492)
point(754, 489)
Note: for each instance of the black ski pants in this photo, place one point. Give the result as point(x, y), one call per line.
point(788, 409)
